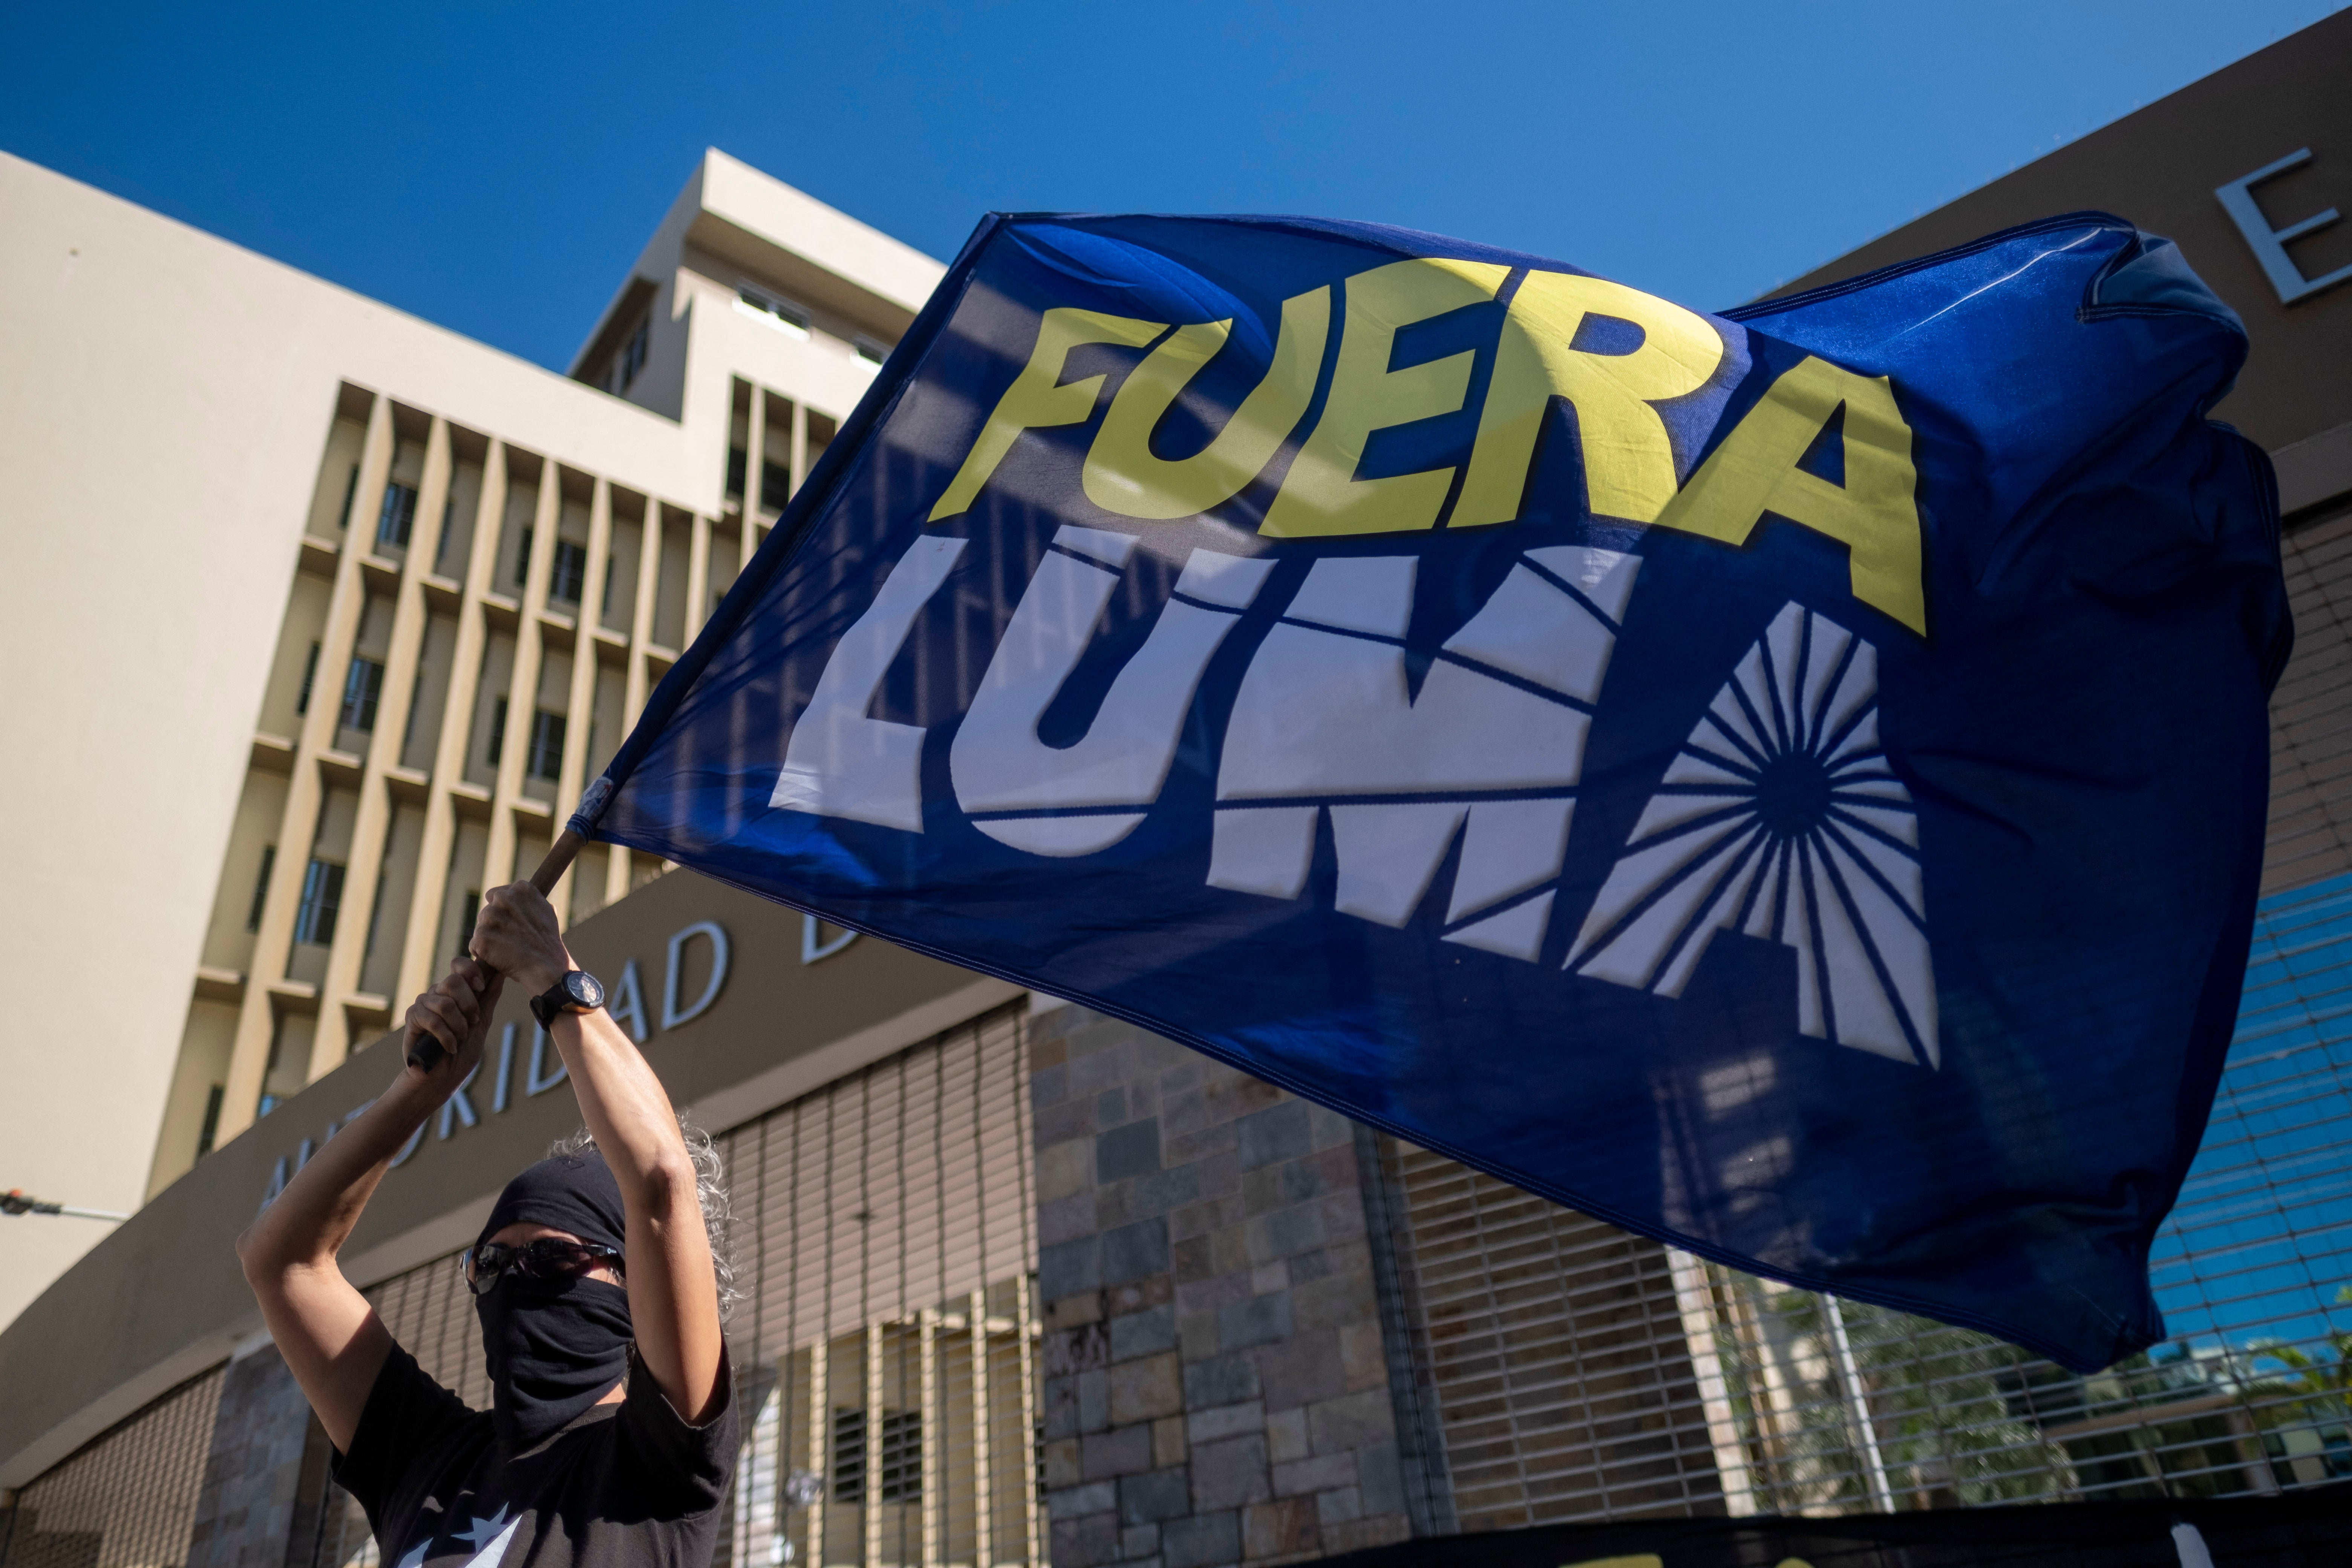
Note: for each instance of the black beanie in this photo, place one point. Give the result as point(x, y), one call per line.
point(569, 1192)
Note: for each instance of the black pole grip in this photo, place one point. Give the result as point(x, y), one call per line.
point(425, 1052)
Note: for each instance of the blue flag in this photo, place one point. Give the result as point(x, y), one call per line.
point(1790, 782)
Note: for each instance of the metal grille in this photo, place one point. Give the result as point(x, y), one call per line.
point(2308, 837)
point(888, 1340)
point(128, 1500)
point(1578, 1373)
point(1554, 1347)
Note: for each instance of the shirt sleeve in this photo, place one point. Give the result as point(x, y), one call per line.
point(406, 1415)
point(687, 1468)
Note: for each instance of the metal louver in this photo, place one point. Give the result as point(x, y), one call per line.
point(1554, 1349)
point(125, 1500)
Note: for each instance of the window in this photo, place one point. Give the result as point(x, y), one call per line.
point(449, 512)
point(546, 744)
point(901, 1456)
point(522, 560)
point(735, 459)
point(361, 689)
point(415, 701)
point(498, 738)
point(632, 357)
point(375, 908)
point(571, 572)
point(399, 516)
point(261, 887)
point(211, 1122)
point(310, 674)
point(351, 494)
point(322, 898)
point(776, 312)
point(775, 486)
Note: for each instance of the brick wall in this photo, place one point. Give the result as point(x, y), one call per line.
point(1216, 1384)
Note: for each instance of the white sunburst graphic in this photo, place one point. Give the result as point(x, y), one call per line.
point(1780, 819)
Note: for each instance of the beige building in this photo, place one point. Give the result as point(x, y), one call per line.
point(322, 614)
point(1022, 1283)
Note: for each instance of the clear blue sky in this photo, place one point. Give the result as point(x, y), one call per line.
point(495, 168)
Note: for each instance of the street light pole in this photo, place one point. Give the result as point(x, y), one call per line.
point(15, 1201)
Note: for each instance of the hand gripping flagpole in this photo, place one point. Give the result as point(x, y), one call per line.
point(425, 1052)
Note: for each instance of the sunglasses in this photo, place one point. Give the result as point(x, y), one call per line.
point(549, 1258)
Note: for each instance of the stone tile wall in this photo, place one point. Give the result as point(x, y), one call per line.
point(1216, 1388)
point(264, 1473)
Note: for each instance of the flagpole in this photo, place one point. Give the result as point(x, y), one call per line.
point(426, 1050)
point(558, 861)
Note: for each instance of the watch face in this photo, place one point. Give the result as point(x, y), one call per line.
point(584, 989)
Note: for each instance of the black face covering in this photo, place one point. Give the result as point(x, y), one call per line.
point(553, 1347)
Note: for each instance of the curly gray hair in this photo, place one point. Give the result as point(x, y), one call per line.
point(709, 1192)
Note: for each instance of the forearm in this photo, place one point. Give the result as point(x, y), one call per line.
point(673, 1290)
point(311, 1220)
point(332, 1339)
point(626, 1107)
point(623, 1102)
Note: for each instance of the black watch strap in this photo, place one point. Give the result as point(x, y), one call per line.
point(577, 992)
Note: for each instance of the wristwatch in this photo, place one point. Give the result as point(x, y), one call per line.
point(578, 992)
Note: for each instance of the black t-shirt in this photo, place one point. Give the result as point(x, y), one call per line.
point(624, 1486)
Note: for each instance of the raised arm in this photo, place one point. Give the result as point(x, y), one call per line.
point(332, 1339)
point(673, 1289)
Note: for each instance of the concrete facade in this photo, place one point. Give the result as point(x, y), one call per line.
point(294, 552)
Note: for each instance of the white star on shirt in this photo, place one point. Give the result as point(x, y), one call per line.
point(484, 1529)
point(488, 1536)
